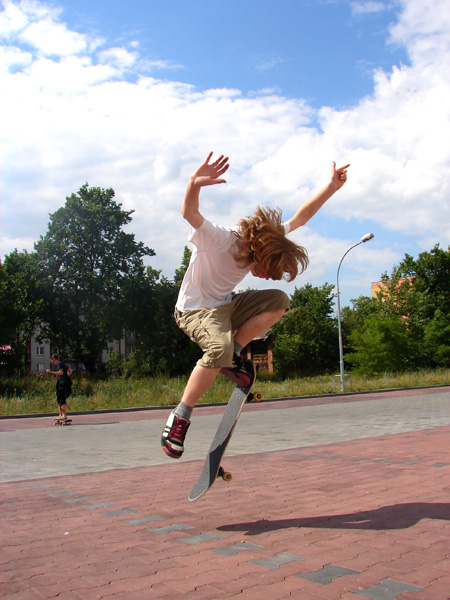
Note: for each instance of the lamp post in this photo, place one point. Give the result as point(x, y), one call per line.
point(363, 240)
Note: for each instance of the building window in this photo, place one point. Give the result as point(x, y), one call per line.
point(40, 350)
point(40, 368)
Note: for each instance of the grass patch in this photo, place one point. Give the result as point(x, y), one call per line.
point(31, 395)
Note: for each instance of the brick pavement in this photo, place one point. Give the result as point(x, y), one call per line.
point(366, 518)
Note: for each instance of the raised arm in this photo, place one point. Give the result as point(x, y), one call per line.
point(311, 206)
point(206, 174)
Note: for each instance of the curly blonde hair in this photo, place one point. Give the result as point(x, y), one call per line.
point(264, 243)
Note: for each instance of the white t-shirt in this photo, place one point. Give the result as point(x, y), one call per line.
point(212, 273)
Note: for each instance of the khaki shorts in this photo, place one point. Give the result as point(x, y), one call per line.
point(212, 328)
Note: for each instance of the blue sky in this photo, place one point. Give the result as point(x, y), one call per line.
point(133, 95)
point(299, 47)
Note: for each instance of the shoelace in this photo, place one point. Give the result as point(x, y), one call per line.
point(178, 428)
point(239, 365)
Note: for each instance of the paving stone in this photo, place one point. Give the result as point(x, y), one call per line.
point(96, 506)
point(62, 494)
point(203, 537)
point(118, 513)
point(327, 574)
point(81, 499)
point(236, 548)
point(387, 521)
point(169, 528)
point(387, 590)
point(281, 558)
point(141, 520)
point(32, 485)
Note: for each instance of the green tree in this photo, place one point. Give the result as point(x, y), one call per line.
point(84, 261)
point(20, 308)
point(180, 273)
point(306, 340)
point(408, 318)
point(354, 317)
point(437, 339)
point(383, 345)
point(430, 273)
point(148, 307)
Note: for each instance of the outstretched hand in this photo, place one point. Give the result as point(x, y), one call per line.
point(338, 176)
point(210, 173)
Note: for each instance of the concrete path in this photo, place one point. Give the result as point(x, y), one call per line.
point(336, 497)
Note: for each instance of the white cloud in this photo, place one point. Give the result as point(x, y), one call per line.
point(71, 115)
point(269, 63)
point(119, 57)
point(369, 7)
point(12, 20)
point(423, 29)
point(53, 39)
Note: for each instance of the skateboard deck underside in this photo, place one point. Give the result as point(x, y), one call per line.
point(220, 442)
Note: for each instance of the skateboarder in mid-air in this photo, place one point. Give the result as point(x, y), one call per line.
point(208, 310)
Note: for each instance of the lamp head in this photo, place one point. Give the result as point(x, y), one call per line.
point(367, 237)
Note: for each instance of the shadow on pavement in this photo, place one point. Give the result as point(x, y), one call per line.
point(396, 516)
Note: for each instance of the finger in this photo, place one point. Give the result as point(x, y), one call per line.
point(209, 181)
point(222, 170)
point(343, 168)
point(208, 158)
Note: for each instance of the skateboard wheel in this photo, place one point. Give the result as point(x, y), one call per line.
point(226, 476)
point(257, 396)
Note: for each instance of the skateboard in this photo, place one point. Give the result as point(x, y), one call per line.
point(62, 422)
point(212, 468)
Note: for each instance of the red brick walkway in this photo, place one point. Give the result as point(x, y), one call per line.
point(361, 519)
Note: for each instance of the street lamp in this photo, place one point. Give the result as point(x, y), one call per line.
point(363, 240)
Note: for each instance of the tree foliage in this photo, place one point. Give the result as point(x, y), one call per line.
point(306, 338)
point(407, 325)
point(148, 306)
point(86, 282)
point(84, 261)
point(20, 308)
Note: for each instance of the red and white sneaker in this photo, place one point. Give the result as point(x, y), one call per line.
point(172, 440)
point(242, 373)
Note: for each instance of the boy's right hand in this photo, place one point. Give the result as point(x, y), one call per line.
point(210, 174)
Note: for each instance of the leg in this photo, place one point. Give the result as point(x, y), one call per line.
point(257, 325)
point(172, 440)
point(200, 381)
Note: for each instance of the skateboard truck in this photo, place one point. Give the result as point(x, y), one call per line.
point(254, 397)
point(226, 475)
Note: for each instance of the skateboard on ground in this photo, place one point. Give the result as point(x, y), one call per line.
point(212, 467)
point(60, 421)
